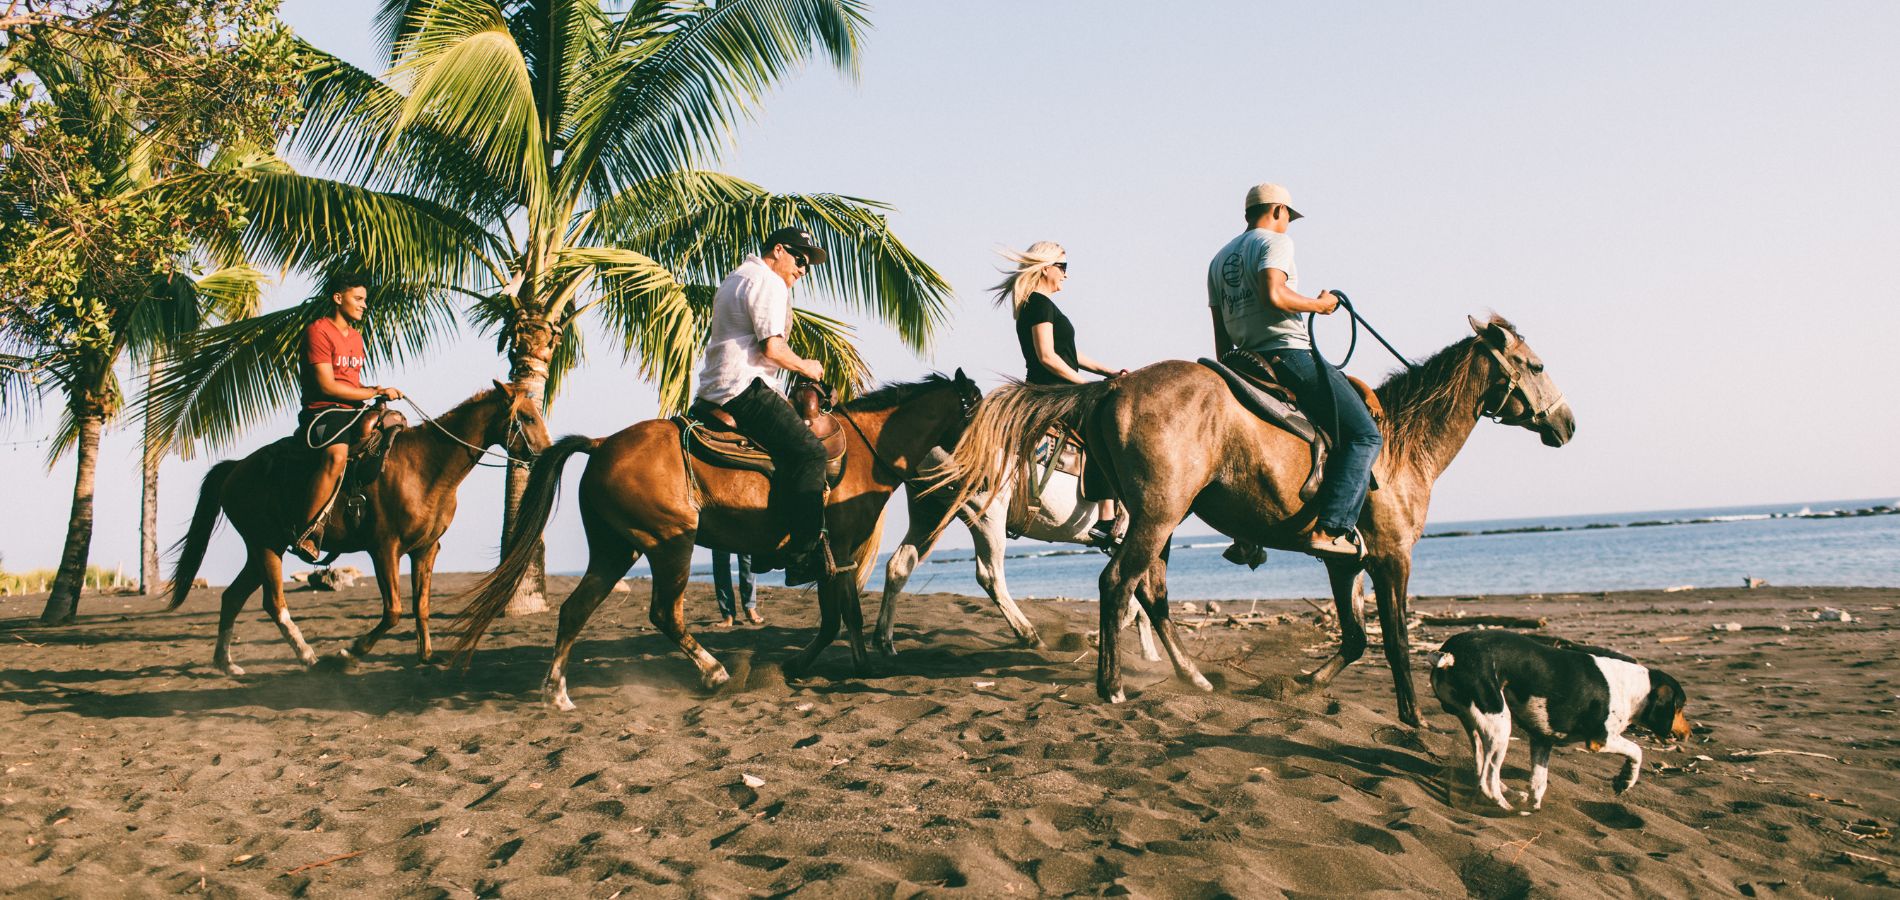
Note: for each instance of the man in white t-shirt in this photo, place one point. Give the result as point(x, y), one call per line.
point(1253, 291)
point(746, 349)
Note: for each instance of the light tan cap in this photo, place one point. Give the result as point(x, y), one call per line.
point(1262, 194)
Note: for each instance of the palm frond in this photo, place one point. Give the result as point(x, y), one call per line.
point(471, 83)
point(724, 218)
point(304, 222)
point(677, 76)
point(829, 341)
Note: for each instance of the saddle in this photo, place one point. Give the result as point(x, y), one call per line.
point(1253, 383)
point(710, 435)
point(370, 439)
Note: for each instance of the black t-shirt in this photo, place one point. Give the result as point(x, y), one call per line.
point(1037, 310)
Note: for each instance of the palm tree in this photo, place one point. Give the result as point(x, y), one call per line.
point(527, 161)
point(70, 346)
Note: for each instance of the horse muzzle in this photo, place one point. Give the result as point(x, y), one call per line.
point(1556, 426)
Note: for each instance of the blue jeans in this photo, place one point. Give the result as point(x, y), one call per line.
point(1356, 440)
point(722, 583)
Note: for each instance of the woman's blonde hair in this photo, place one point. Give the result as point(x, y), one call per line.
point(1031, 265)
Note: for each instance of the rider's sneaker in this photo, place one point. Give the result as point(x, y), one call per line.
point(1334, 546)
point(1102, 537)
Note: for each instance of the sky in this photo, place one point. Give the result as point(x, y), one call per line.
point(1687, 209)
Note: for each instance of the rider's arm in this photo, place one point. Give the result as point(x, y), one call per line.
point(1091, 365)
point(780, 353)
point(1044, 336)
point(1287, 300)
point(1222, 343)
point(337, 390)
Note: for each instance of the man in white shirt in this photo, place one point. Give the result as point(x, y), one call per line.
point(746, 349)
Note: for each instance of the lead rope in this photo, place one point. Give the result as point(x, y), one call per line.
point(1320, 365)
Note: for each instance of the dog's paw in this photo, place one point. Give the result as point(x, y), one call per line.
point(1625, 779)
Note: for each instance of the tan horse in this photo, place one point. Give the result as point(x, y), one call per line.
point(1173, 441)
point(639, 495)
point(406, 512)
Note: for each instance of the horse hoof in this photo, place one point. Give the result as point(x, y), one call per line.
point(561, 703)
point(1118, 697)
point(715, 679)
point(233, 669)
point(342, 661)
point(1202, 683)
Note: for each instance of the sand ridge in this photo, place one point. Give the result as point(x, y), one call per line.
point(967, 765)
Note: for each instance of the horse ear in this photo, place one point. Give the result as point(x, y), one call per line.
point(1496, 335)
point(960, 375)
point(501, 387)
point(1477, 327)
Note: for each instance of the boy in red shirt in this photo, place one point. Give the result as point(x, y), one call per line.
point(329, 368)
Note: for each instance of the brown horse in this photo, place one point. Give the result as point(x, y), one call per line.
point(406, 511)
point(1173, 441)
point(640, 495)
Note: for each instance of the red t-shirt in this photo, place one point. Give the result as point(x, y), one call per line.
point(324, 342)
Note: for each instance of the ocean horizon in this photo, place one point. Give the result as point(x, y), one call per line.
point(1852, 543)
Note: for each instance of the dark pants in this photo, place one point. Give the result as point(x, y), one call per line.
point(722, 583)
point(1356, 438)
point(329, 425)
point(798, 488)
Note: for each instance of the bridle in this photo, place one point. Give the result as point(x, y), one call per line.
point(515, 436)
point(1537, 416)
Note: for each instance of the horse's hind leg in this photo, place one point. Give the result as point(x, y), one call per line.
point(387, 561)
point(1344, 575)
point(271, 570)
point(1135, 615)
point(605, 566)
point(241, 588)
point(421, 573)
point(672, 567)
point(1121, 578)
point(829, 613)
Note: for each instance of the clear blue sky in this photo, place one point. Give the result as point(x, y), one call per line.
point(1689, 210)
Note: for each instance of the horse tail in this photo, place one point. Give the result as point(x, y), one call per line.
point(1004, 432)
point(190, 549)
point(491, 595)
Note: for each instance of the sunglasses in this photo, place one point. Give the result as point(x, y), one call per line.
point(1064, 266)
point(803, 261)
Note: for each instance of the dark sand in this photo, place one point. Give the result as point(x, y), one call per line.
point(966, 766)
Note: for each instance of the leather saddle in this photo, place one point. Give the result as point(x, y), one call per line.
point(371, 436)
point(1256, 387)
point(713, 438)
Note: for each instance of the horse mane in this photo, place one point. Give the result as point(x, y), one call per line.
point(893, 394)
point(1415, 399)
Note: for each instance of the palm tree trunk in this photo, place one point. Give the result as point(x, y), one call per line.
point(529, 351)
point(63, 603)
point(148, 510)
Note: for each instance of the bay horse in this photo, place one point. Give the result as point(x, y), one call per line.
point(1172, 440)
point(405, 511)
point(641, 494)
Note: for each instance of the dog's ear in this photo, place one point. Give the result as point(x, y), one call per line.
point(1665, 694)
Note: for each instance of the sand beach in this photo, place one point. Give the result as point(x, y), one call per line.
point(966, 766)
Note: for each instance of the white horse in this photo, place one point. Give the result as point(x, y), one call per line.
point(1059, 515)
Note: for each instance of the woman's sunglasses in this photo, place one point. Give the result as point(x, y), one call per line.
point(1064, 266)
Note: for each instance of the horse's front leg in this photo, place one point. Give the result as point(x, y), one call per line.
point(1390, 576)
point(386, 559)
point(270, 568)
point(1344, 576)
point(672, 567)
point(421, 573)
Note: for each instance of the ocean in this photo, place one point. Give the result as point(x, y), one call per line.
point(1851, 543)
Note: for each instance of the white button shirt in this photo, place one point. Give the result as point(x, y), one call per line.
point(752, 304)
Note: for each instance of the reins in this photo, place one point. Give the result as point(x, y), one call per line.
point(483, 451)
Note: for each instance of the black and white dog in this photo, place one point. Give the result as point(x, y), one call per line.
point(1559, 693)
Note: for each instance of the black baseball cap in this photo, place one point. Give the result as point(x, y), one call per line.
point(797, 239)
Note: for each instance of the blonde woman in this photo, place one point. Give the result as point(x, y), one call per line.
point(1046, 336)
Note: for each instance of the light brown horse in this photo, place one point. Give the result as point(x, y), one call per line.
point(640, 495)
point(1173, 441)
point(405, 512)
